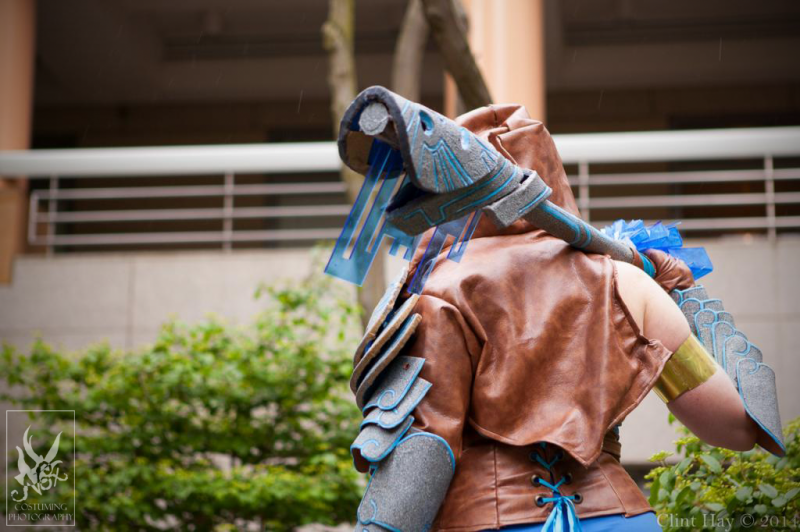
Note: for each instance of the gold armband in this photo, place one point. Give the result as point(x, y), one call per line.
point(687, 368)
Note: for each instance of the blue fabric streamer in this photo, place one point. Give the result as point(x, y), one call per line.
point(665, 238)
point(563, 517)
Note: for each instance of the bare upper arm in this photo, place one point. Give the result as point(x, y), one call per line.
point(657, 316)
point(712, 410)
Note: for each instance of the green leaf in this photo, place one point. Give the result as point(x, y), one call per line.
point(683, 465)
point(744, 493)
point(768, 490)
point(791, 494)
point(779, 501)
point(760, 509)
point(274, 392)
point(711, 462)
point(714, 506)
point(654, 487)
point(684, 496)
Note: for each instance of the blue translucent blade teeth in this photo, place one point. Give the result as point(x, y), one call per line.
point(461, 230)
point(662, 237)
point(386, 167)
point(351, 260)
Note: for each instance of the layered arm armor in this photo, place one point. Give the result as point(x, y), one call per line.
point(410, 469)
point(741, 360)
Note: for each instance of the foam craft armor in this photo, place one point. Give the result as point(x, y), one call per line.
point(422, 171)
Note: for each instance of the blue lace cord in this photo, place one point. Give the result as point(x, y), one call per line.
point(563, 517)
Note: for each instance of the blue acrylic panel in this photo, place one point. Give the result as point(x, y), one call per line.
point(461, 230)
point(665, 238)
point(386, 167)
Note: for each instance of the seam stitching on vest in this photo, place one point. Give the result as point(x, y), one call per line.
point(614, 489)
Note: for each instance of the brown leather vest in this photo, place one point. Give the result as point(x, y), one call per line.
point(527, 341)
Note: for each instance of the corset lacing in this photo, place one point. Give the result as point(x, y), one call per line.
point(563, 517)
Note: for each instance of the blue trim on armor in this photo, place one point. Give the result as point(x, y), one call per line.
point(493, 194)
point(374, 468)
point(440, 440)
point(388, 451)
point(543, 194)
point(372, 521)
point(459, 198)
point(396, 402)
point(694, 316)
point(744, 402)
point(558, 215)
point(378, 422)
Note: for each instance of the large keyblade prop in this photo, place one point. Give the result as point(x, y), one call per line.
point(450, 177)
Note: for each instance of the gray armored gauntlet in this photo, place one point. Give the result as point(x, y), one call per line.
point(411, 469)
point(741, 360)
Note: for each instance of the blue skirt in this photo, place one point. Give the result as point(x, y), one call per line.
point(646, 522)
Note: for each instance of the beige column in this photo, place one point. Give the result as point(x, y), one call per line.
point(17, 45)
point(507, 38)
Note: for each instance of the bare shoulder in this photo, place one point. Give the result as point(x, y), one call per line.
point(632, 288)
point(657, 316)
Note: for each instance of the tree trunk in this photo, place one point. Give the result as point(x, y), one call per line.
point(446, 20)
point(409, 54)
point(338, 37)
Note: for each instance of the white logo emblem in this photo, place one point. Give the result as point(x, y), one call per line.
point(43, 475)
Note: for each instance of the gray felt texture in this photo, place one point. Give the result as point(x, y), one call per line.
point(690, 307)
point(760, 395)
point(415, 476)
point(703, 320)
point(456, 171)
point(726, 316)
point(380, 313)
point(527, 196)
point(434, 142)
point(577, 233)
point(385, 355)
point(713, 304)
point(677, 296)
point(696, 292)
point(400, 371)
point(422, 213)
point(725, 339)
point(741, 360)
point(374, 443)
point(374, 119)
point(388, 419)
point(391, 390)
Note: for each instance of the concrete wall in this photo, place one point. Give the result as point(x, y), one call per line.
point(75, 300)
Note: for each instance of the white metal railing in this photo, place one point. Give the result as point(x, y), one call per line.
point(765, 145)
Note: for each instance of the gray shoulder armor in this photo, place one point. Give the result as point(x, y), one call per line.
point(740, 359)
point(411, 470)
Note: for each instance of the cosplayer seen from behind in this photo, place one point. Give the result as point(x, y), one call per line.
point(493, 399)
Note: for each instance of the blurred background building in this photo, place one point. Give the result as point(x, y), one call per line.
point(227, 103)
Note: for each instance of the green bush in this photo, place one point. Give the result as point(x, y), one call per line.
point(212, 426)
point(715, 489)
